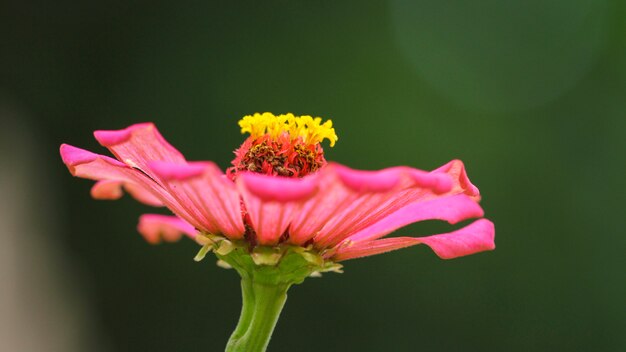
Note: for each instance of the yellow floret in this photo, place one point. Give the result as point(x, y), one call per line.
point(312, 130)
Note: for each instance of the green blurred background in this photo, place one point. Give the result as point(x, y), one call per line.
point(531, 95)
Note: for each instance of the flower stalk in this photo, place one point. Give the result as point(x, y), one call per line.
point(262, 305)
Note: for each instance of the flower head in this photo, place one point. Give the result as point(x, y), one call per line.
point(281, 199)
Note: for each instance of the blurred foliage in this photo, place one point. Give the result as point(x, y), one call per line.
point(530, 95)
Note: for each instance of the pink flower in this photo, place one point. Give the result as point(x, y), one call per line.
point(281, 191)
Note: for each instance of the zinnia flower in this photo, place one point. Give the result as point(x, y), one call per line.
point(281, 212)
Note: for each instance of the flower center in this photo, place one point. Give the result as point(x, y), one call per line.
point(283, 145)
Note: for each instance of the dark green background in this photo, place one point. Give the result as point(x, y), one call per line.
point(531, 95)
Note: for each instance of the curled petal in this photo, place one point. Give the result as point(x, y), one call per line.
point(473, 238)
point(111, 175)
point(85, 164)
point(438, 183)
point(178, 172)
point(461, 183)
point(271, 202)
point(155, 228)
point(203, 191)
point(138, 145)
point(451, 209)
point(350, 200)
point(365, 181)
point(207, 188)
point(278, 189)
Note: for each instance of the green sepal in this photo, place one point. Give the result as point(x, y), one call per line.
point(203, 251)
point(281, 264)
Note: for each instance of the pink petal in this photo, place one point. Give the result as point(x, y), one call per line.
point(311, 216)
point(365, 181)
point(204, 192)
point(350, 200)
point(271, 202)
point(451, 209)
point(198, 193)
point(473, 238)
point(179, 172)
point(112, 190)
point(385, 180)
point(142, 195)
point(85, 164)
point(278, 189)
point(461, 183)
point(138, 145)
point(107, 190)
point(436, 182)
point(155, 228)
point(476, 237)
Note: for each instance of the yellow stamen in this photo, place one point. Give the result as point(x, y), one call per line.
point(310, 129)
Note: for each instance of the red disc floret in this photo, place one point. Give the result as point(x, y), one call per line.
point(282, 156)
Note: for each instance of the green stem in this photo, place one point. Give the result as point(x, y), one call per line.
point(262, 304)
